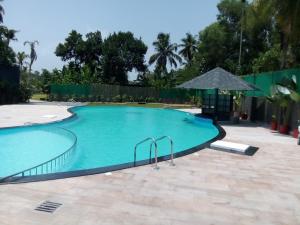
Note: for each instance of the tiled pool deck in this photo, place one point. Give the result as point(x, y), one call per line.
point(208, 187)
point(34, 112)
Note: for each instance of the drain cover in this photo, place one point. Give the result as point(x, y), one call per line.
point(48, 206)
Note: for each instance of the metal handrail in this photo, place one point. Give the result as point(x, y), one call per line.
point(152, 142)
point(47, 166)
point(171, 145)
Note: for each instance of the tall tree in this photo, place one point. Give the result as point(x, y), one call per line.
point(7, 55)
point(165, 53)
point(286, 14)
point(21, 56)
point(213, 49)
point(93, 50)
point(81, 52)
point(32, 55)
point(71, 50)
point(122, 53)
point(1, 12)
point(189, 48)
point(7, 35)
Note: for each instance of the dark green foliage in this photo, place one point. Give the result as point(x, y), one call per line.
point(213, 49)
point(81, 52)
point(83, 56)
point(72, 49)
point(270, 38)
point(7, 55)
point(95, 61)
point(122, 53)
point(187, 73)
point(267, 61)
point(1, 12)
point(11, 93)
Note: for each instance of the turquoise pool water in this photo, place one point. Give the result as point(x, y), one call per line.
point(106, 136)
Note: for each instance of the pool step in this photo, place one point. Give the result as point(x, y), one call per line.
point(231, 147)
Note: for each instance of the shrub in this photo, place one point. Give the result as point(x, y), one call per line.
point(24, 93)
point(131, 99)
point(83, 98)
point(125, 98)
point(117, 98)
point(150, 99)
point(92, 98)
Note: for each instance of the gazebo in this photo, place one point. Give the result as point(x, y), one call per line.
point(218, 79)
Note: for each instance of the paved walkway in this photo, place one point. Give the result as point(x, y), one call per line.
point(208, 187)
point(34, 112)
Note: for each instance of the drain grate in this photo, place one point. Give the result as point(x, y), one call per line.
point(48, 206)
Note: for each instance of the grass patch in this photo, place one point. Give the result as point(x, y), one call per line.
point(39, 96)
point(147, 105)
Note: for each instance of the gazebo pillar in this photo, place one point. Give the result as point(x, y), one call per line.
point(216, 103)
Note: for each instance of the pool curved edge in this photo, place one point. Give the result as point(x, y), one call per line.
point(72, 116)
point(86, 172)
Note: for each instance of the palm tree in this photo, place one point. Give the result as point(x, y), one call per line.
point(165, 53)
point(33, 55)
point(1, 12)
point(189, 48)
point(10, 35)
point(21, 56)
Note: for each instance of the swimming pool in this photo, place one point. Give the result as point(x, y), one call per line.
point(105, 137)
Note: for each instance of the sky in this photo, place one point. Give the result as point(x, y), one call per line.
point(50, 21)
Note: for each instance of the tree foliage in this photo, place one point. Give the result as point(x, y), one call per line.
point(1, 12)
point(122, 53)
point(270, 38)
point(188, 48)
point(165, 53)
point(7, 55)
point(21, 57)
point(10, 93)
point(33, 54)
point(92, 60)
point(81, 52)
point(247, 37)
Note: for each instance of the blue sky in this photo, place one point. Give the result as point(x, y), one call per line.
point(50, 21)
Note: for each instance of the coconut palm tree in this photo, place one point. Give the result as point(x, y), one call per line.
point(21, 56)
point(10, 35)
point(33, 55)
point(165, 53)
point(1, 12)
point(189, 47)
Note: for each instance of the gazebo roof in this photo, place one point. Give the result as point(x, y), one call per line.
point(218, 78)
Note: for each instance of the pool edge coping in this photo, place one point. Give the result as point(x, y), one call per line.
point(100, 170)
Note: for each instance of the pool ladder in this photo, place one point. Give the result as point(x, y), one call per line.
point(154, 141)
